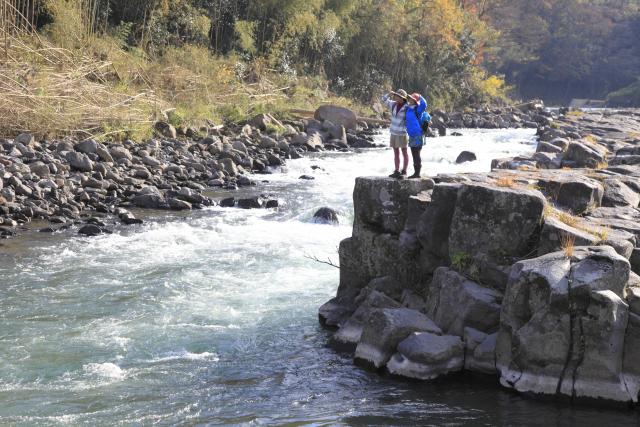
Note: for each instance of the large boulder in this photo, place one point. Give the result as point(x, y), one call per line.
point(337, 115)
point(574, 193)
point(434, 224)
point(381, 203)
point(562, 326)
point(480, 351)
point(88, 146)
point(491, 226)
point(384, 330)
point(466, 156)
point(79, 161)
point(585, 154)
point(325, 216)
point(617, 193)
point(426, 356)
point(455, 302)
point(351, 330)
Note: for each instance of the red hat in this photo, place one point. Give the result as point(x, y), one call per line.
point(416, 97)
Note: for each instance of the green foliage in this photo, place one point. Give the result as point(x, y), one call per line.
point(461, 261)
point(563, 49)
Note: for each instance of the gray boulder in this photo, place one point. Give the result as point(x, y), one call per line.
point(575, 193)
point(381, 203)
point(426, 356)
point(585, 154)
point(466, 156)
point(384, 330)
point(350, 331)
point(325, 216)
point(480, 351)
point(88, 146)
point(456, 302)
point(563, 325)
point(79, 161)
point(40, 169)
point(491, 225)
point(617, 193)
point(337, 115)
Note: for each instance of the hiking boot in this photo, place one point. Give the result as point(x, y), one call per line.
point(416, 173)
point(396, 174)
point(404, 173)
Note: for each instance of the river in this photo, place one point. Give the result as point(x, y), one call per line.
point(211, 318)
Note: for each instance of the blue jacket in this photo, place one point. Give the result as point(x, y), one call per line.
point(414, 126)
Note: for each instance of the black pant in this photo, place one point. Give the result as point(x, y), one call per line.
point(415, 153)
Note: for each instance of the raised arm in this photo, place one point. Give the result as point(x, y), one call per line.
point(386, 101)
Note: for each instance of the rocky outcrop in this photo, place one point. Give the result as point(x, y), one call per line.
point(526, 278)
point(563, 326)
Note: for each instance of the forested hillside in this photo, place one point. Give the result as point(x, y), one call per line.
point(226, 59)
point(563, 49)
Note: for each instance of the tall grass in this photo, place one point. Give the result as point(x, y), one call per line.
point(74, 78)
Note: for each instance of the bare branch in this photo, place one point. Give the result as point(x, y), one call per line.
point(328, 261)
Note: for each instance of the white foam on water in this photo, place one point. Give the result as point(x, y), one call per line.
point(184, 355)
point(105, 370)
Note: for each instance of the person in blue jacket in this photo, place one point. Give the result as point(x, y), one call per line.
point(416, 115)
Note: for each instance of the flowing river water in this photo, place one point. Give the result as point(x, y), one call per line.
point(210, 318)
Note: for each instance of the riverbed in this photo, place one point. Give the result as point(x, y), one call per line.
point(211, 317)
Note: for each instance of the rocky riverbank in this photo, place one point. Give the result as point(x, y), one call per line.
point(80, 183)
point(529, 274)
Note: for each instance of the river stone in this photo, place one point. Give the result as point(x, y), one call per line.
point(90, 230)
point(104, 154)
point(337, 115)
point(381, 203)
point(256, 202)
point(149, 201)
point(88, 146)
point(264, 121)
point(40, 169)
point(179, 205)
point(79, 161)
point(25, 139)
point(466, 156)
point(119, 152)
point(325, 216)
point(166, 129)
point(335, 312)
point(456, 302)
point(426, 356)
point(229, 166)
point(228, 202)
point(268, 142)
point(384, 330)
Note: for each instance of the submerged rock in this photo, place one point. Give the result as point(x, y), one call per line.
point(326, 216)
point(426, 356)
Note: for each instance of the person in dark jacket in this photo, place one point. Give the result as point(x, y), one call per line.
point(416, 115)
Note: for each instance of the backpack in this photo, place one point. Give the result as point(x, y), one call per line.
point(424, 121)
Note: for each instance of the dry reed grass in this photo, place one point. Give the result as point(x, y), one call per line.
point(46, 89)
point(567, 243)
point(505, 181)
